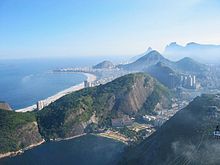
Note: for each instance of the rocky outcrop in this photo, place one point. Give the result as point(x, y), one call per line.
point(18, 131)
point(5, 106)
point(133, 101)
point(28, 134)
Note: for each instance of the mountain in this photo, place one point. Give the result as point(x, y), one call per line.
point(183, 66)
point(190, 66)
point(164, 74)
point(146, 61)
point(205, 53)
point(104, 65)
point(17, 131)
point(187, 138)
point(132, 95)
point(141, 55)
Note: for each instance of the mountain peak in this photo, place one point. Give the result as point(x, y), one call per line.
point(149, 49)
point(104, 65)
point(151, 57)
point(153, 53)
point(173, 45)
point(187, 59)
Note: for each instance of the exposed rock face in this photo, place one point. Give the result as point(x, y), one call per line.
point(5, 106)
point(28, 134)
point(17, 131)
point(135, 98)
point(186, 138)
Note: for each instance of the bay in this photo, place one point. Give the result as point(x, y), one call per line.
point(85, 150)
point(24, 82)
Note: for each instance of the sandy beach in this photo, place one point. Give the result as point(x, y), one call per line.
point(47, 101)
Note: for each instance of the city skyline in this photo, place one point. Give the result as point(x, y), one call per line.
point(102, 28)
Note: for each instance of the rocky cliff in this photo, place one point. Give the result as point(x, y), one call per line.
point(5, 106)
point(17, 131)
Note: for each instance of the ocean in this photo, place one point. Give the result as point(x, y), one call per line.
point(85, 150)
point(24, 82)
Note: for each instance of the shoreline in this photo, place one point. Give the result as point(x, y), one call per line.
point(50, 99)
point(69, 138)
point(112, 138)
point(21, 151)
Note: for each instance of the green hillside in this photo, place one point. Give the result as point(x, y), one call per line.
point(17, 130)
point(127, 95)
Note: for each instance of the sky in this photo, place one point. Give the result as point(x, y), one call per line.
point(69, 28)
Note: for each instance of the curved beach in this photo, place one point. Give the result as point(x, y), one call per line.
point(47, 101)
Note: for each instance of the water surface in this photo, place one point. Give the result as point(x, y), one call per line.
point(85, 150)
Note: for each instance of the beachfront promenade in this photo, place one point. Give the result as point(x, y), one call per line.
point(49, 100)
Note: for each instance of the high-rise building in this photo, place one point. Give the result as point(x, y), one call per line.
point(188, 81)
point(87, 84)
point(40, 105)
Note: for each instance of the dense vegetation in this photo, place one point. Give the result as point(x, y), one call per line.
point(87, 110)
point(10, 123)
point(70, 115)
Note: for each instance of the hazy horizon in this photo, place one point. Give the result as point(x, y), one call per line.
point(73, 28)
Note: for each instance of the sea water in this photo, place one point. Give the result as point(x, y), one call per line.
point(85, 150)
point(23, 82)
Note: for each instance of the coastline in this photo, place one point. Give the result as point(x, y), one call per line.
point(69, 138)
point(21, 151)
point(90, 78)
point(110, 137)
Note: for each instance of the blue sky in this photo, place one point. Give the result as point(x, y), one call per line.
point(49, 28)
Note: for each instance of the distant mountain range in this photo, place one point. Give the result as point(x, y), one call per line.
point(166, 71)
point(202, 52)
point(187, 138)
point(185, 65)
point(145, 61)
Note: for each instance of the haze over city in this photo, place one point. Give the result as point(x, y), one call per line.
point(70, 28)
